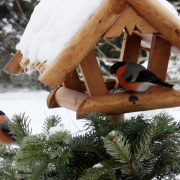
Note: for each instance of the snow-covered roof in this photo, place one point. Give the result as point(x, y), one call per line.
point(52, 25)
point(55, 24)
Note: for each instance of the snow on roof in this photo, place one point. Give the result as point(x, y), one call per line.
point(52, 25)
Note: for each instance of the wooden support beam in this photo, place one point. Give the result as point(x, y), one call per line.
point(155, 97)
point(92, 76)
point(117, 6)
point(160, 18)
point(79, 46)
point(64, 97)
point(73, 82)
point(159, 57)
point(130, 48)
point(13, 66)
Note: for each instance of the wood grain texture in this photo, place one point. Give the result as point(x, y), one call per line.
point(51, 101)
point(110, 84)
point(159, 57)
point(155, 97)
point(92, 76)
point(73, 82)
point(130, 48)
point(128, 19)
point(79, 46)
point(68, 98)
point(13, 66)
point(160, 18)
point(117, 6)
point(117, 118)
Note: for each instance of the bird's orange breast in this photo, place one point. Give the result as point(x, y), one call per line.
point(2, 118)
point(5, 139)
point(127, 85)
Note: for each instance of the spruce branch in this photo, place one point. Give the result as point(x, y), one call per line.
point(39, 170)
point(61, 137)
point(7, 152)
point(95, 173)
point(7, 170)
point(51, 121)
point(117, 146)
point(87, 142)
point(19, 127)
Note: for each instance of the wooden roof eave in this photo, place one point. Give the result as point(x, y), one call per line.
point(13, 66)
point(160, 18)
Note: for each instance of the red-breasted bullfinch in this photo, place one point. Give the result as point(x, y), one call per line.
point(135, 77)
point(5, 136)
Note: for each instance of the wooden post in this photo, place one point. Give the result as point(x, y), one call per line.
point(92, 76)
point(117, 118)
point(73, 82)
point(159, 57)
point(130, 48)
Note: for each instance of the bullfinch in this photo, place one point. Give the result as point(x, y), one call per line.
point(5, 136)
point(135, 77)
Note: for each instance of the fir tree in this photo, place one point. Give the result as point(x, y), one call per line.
point(137, 149)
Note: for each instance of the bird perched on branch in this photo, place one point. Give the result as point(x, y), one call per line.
point(5, 136)
point(135, 77)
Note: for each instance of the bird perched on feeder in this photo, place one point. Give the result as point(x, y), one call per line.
point(135, 77)
point(5, 136)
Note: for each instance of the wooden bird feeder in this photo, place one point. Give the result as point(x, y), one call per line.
point(147, 23)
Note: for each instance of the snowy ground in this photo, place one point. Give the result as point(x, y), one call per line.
point(33, 103)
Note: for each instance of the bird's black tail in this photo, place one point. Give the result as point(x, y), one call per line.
point(163, 84)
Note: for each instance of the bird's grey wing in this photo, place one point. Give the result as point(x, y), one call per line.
point(5, 128)
point(132, 71)
point(147, 76)
point(7, 119)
